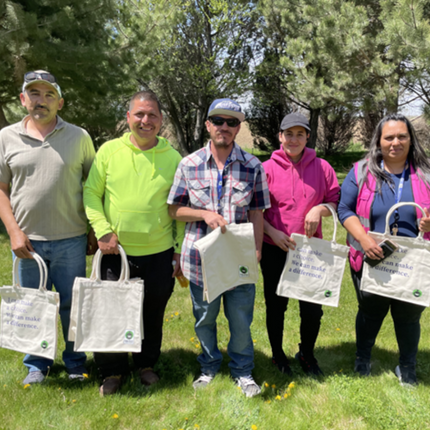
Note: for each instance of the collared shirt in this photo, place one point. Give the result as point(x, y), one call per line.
point(244, 188)
point(46, 178)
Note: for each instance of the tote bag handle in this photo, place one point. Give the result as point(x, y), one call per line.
point(396, 206)
point(43, 270)
point(334, 219)
point(125, 268)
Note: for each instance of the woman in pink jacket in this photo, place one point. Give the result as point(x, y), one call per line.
point(298, 183)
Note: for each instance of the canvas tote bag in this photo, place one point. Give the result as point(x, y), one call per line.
point(313, 271)
point(405, 274)
point(29, 316)
point(228, 260)
point(107, 316)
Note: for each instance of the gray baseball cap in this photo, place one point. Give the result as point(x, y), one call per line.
point(294, 119)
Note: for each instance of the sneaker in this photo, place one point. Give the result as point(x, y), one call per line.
point(110, 385)
point(78, 373)
point(248, 385)
point(148, 376)
point(283, 366)
point(362, 367)
point(203, 380)
point(406, 375)
point(309, 366)
point(35, 377)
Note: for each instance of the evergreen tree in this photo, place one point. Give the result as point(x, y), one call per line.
point(72, 39)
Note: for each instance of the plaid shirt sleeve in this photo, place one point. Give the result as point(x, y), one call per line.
point(261, 197)
point(179, 192)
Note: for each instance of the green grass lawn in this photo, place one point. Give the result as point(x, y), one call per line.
point(340, 400)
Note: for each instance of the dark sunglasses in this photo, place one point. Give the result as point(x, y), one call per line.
point(33, 76)
point(217, 120)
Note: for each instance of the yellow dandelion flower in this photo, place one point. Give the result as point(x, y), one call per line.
point(268, 402)
point(273, 386)
point(85, 375)
point(115, 416)
point(197, 345)
point(254, 427)
point(192, 339)
point(238, 388)
point(176, 313)
point(25, 386)
point(338, 329)
point(196, 426)
point(278, 397)
point(254, 340)
point(292, 385)
point(285, 395)
point(4, 385)
point(167, 320)
point(172, 316)
point(186, 419)
point(73, 401)
point(266, 384)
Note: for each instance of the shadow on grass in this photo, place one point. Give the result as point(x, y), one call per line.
point(178, 367)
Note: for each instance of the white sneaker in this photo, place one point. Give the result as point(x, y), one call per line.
point(203, 380)
point(248, 385)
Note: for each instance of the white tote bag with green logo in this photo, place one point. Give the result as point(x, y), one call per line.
point(29, 316)
point(107, 316)
point(405, 274)
point(228, 260)
point(313, 272)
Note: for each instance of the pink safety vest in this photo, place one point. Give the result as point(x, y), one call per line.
point(365, 198)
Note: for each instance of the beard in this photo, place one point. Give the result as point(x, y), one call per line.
point(223, 140)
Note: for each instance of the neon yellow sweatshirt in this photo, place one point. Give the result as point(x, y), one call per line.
point(126, 193)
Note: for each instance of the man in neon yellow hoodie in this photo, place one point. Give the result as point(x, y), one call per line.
point(125, 198)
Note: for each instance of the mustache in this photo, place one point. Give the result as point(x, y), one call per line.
point(41, 107)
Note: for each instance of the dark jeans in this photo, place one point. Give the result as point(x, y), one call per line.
point(272, 264)
point(156, 271)
point(372, 310)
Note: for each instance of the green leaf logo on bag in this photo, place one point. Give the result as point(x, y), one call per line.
point(327, 293)
point(243, 271)
point(129, 336)
point(44, 344)
point(417, 293)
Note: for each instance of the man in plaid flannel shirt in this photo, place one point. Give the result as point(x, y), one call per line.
point(215, 186)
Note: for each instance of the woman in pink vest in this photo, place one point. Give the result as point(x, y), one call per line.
point(298, 183)
point(396, 169)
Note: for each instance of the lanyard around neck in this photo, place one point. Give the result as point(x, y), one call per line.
point(398, 196)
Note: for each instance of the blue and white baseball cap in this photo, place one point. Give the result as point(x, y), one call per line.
point(226, 107)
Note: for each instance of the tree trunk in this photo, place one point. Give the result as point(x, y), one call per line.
point(315, 114)
point(3, 120)
point(200, 124)
point(174, 119)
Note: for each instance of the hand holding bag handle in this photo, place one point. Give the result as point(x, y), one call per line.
point(125, 268)
point(333, 212)
point(399, 205)
point(42, 269)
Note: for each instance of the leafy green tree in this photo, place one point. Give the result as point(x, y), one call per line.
point(75, 41)
point(202, 50)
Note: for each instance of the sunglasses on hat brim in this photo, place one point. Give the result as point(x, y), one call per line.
point(34, 76)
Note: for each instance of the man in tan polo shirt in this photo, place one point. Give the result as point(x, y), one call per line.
point(43, 161)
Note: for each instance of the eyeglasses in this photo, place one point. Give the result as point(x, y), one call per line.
point(33, 76)
point(217, 120)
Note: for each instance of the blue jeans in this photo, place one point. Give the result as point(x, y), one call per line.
point(65, 260)
point(239, 310)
